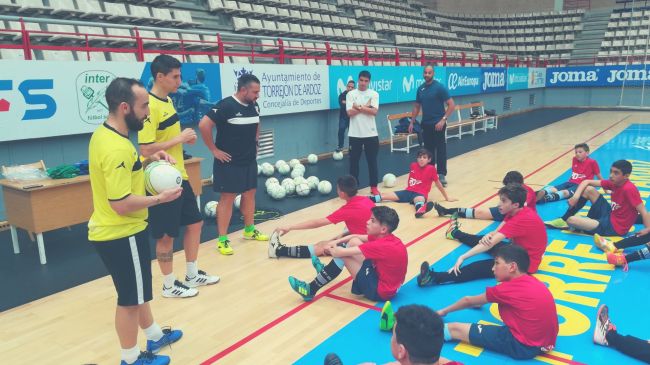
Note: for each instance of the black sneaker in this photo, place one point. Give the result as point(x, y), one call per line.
point(425, 278)
point(442, 211)
point(332, 359)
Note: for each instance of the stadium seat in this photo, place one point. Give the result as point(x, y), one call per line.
point(90, 9)
point(123, 57)
point(8, 6)
point(58, 55)
point(33, 7)
point(65, 7)
point(12, 54)
point(67, 33)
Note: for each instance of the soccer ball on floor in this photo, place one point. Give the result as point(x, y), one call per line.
point(337, 156)
point(277, 192)
point(279, 163)
point(160, 176)
point(271, 180)
point(284, 169)
point(210, 209)
point(389, 180)
point(293, 162)
point(324, 187)
point(267, 169)
point(297, 172)
point(312, 158)
point(313, 181)
point(289, 186)
point(302, 189)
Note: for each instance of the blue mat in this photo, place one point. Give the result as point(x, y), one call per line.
point(577, 272)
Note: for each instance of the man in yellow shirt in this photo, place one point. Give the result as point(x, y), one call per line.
point(117, 227)
point(162, 131)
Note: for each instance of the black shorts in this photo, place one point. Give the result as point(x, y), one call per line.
point(236, 179)
point(129, 263)
point(167, 218)
point(366, 282)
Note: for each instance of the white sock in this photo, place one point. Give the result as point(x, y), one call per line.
point(192, 269)
point(168, 280)
point(129, 356)
point(153, 332)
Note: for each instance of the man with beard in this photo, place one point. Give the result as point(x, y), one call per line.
point(162, 131)
point(237, 120)
point(117, 227)
point(431, 98)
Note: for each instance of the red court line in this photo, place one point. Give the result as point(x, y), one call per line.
point(352, 301)
point(561, 359)
point(329, 290)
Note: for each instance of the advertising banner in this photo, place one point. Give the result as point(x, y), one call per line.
point(536, 77)
point(284, 88)
point(463, 80)
point(585, 76)
point(36, 102)
point(494, 79)
point(517, 78)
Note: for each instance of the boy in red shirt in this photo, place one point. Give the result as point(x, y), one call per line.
point(421, 176)
point(493, 212)
point(605, 219)
point(525, 304)
point(521, 225)
point(355, 213)
point(582, 168)
point(377, 261)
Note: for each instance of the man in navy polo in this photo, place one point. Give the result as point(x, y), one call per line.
point(432, 97)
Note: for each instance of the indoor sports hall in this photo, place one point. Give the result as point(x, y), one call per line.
point(529, 81)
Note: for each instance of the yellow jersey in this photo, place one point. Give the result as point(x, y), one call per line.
point(162, 125)
point(115, 173)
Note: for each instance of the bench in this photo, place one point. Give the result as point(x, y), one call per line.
point(469, 125)
point(394, 137)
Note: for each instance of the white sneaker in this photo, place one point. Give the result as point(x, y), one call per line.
point(179, 290)
point(603, 325)
point(201, 279)
point(274, 243)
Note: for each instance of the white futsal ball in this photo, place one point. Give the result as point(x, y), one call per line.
point(313, 181)
point(324, 187)
point(389, 180)
point(289, 186)
point(271, 180)
point(210, 209)
point(279, 163)
point(312, 158)
point(160, 176)
point(337, 156)
point(299, 180)
point(284, 169)
point(238, 201)
point(267, 169)
point(293, 162)
point(302, 189)
point(277, 192)
point(296, 173)
point(298, 166)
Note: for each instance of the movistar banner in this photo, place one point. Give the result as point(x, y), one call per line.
point(517, 78)
point(633, 75)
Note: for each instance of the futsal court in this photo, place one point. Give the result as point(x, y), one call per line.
point(253, 316)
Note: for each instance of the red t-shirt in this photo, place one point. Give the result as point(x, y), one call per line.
point(527, 230)
point(421, 178)
point(585, 170)
point(528, 309)
point(625, 198)
point(390, 259)
point(355, 213)
point(531, 198)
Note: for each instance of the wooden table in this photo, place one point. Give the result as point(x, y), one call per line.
point(61, 203)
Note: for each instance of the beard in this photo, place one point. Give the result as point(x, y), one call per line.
point(134, 123)
point(428, 79)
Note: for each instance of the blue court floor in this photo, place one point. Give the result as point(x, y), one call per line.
point(575, 270)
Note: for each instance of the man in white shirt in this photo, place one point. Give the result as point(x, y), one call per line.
point(362, 105)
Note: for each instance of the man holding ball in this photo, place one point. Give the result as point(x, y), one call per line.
point(237, 120)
